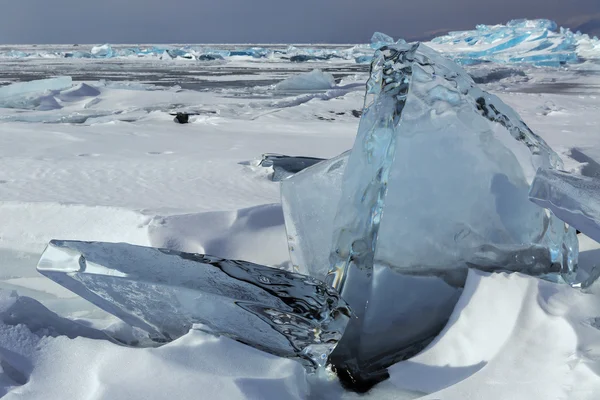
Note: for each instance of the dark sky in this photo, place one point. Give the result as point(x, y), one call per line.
point(264, 21)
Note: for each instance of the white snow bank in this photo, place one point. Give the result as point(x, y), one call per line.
point(28, 227)
point(196, 366)
point(255, 234)
point(313, 80)
point(511, 337)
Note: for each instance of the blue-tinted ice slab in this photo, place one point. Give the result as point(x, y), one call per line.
point(574, 199)
point(166, 293)
point(103, 51)
point(534, 42)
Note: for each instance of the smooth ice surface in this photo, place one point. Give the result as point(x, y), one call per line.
point(573, 198)
point(14, 94)
point(313, 80)
point(407, 206)
point(166, 293)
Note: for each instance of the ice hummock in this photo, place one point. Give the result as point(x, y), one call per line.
point(165, 293)
point(313, 80)
point(409, 223)
point(34, 94)
point(102, 51)
point(536, 42)
point(36, 86)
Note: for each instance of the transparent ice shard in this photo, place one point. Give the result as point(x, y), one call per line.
point(166, 292)
point(574, 199)
point(437, 182)
point(309, 200)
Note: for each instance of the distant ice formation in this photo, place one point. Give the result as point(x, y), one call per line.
point(536, 42)
point(34, 94)
point(519, 41)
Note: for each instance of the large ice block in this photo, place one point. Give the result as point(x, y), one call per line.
point(167, 292)
point(437, 182)
point(574, 199)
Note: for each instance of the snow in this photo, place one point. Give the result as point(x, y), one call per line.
point(111, 165)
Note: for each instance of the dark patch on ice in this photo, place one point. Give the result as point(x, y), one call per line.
point(189, 75)
point(592, 167)
point(350, 382)
point(322, 118)
point(489, 76)
point(559, 87)
point(14, 374)
point(357, 113)
point(182, 118)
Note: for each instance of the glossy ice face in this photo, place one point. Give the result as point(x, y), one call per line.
point(166, 293)
point(437, 182)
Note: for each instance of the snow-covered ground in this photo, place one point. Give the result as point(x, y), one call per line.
point(105, 161)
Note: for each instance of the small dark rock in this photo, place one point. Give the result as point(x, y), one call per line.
point(182, 118)
point(357, 113)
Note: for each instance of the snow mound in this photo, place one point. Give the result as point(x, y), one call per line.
point(242, 234)
point(22, 229)
point(103, 51)
point(81, 368)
